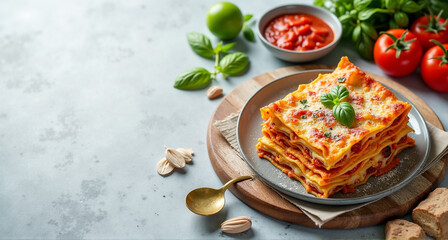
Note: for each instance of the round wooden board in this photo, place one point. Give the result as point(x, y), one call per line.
point(227, 164)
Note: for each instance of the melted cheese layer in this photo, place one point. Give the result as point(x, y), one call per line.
point(375, 106)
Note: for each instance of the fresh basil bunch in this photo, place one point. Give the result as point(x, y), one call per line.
point(342, 111)
point(435, 6)
point(363, 19)
point(198, 77)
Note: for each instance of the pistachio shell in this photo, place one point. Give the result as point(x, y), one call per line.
point(187, 153)
point(164, 167)
point(175, 158)
point(236, 225)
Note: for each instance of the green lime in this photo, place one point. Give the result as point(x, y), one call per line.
point(224, 20)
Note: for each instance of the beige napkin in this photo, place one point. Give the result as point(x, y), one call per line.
point(321, 214)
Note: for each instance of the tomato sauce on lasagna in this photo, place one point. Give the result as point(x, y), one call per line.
point(302, 138)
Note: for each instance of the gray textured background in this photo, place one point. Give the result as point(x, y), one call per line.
point(87, 105)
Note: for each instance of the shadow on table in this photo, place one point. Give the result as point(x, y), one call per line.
point(212, 223)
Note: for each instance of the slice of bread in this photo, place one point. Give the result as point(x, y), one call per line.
point(403, 230)
point(432, 214)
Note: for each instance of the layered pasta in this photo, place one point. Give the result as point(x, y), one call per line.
point(302, 138)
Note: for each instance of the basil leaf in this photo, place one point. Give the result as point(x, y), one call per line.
point(344, 113)
point(365, 47)
point(327, 99)
point(368, 29)
point(339, 91)
point(218, 48)
point(436, 6)
point(401, 19)
point(195, 78)
point(347, 30)
point(361, 4)
point(234, 63)
point(410, 7)
point(320, 3)
point(248, 17)
point(248, 33)
point(356, 34)
point(340, 10)
point(346, 19)
point(227, 47)
point(200, 44)
point(341, 80)
point(353, 13)
point(367, 13)
point(393, 24)
point(392, 4)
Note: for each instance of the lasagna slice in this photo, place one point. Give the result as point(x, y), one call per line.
point(302, 138)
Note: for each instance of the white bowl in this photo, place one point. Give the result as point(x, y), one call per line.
point(300, 56)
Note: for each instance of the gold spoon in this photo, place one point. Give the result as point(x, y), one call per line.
point(208, 201)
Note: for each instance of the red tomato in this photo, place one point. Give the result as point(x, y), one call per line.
point(426, 30)
point(434, 74)
point(408, 48)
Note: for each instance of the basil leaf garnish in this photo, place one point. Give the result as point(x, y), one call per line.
point(339, 91)
point(234, 63)
point(195, 78)
point(200, 44)
point(344, 113)
point(327, 100)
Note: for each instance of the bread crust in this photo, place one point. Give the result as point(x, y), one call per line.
point(432, 214)
point(403, 230)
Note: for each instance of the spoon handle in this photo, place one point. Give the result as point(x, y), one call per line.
point(234, 181)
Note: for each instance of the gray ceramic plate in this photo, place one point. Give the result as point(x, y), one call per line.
point(249, 130)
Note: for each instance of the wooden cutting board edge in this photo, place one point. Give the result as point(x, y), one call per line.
point(257, 195)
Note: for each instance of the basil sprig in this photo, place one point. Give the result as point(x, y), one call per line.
point(198, 77)
point(342, 111)
point(247, 30)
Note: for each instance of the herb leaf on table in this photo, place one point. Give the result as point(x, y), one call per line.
point(199, 77)
point(195, 78)
point(200, 44)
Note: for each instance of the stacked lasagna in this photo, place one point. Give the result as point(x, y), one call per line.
point(302, 137)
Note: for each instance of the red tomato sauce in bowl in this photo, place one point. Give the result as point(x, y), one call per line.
point(298, 32)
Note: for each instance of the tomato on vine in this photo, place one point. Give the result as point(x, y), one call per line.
point(430, 27)
point(434, 67)
point(397, 52)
